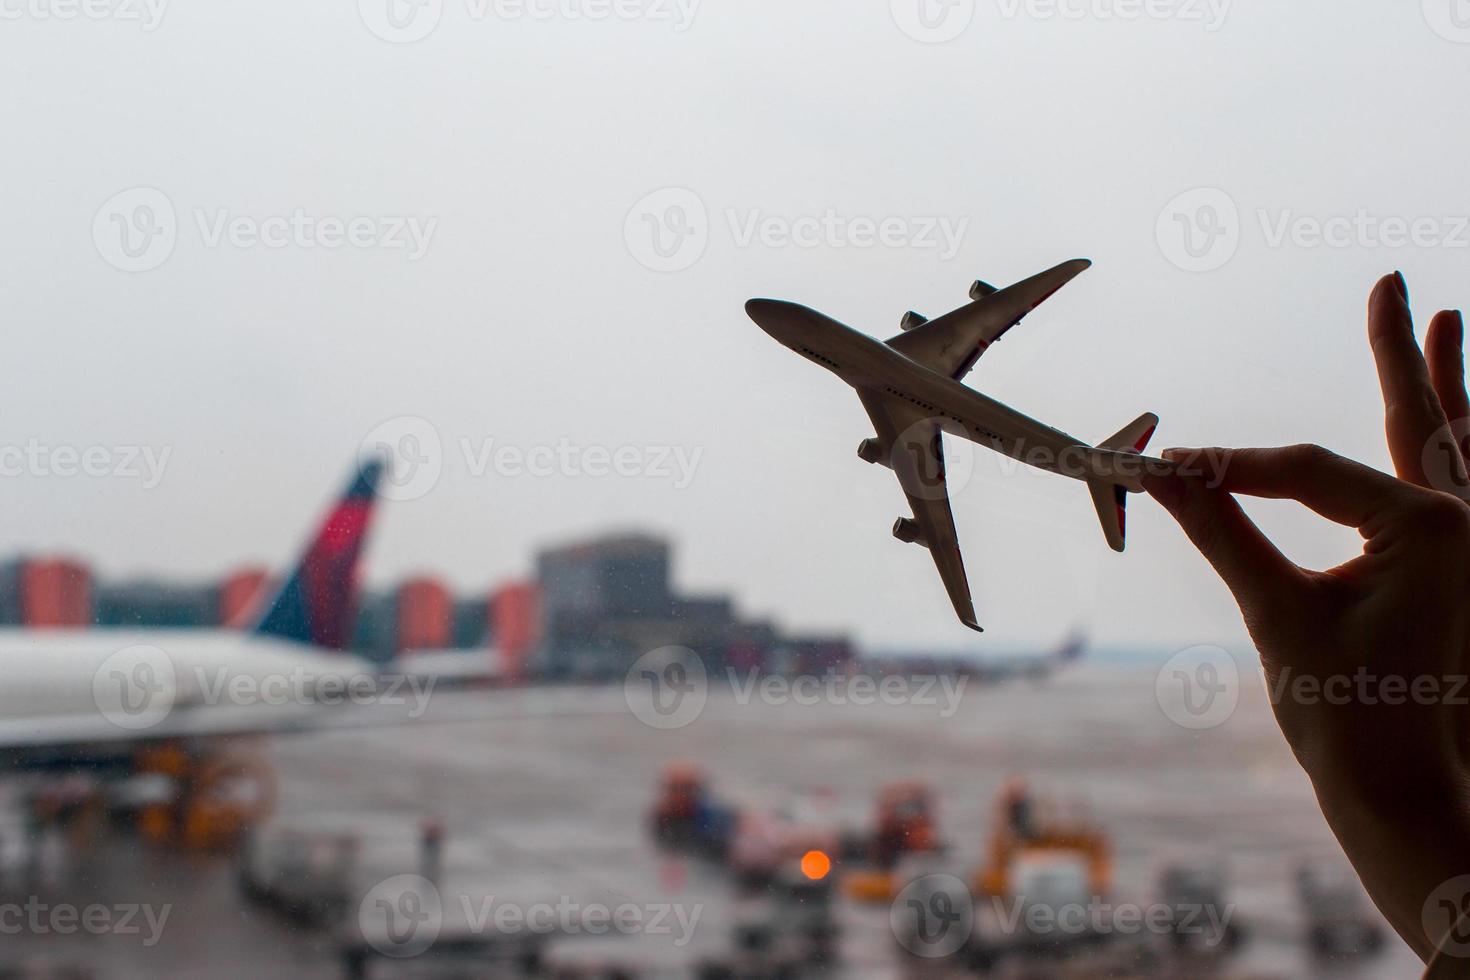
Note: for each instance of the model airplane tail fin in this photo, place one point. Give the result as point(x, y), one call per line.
point(317, 603)
point(1111, 498)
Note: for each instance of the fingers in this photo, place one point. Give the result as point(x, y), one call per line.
point(1444, 349)
point(1413, 415)
point(1339, 489)
point(1251, 566)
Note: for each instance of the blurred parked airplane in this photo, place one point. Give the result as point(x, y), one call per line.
point(94, 698)
point(910, 387)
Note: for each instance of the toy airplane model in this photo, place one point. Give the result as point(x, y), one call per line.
point(910, 387)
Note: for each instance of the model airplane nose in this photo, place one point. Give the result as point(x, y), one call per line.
point(776, 317)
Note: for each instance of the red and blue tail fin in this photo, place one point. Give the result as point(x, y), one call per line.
point(318, 601)
point(1111, 499)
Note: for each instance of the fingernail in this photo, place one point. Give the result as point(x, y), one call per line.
point(1401, 286)
point(1459, 328)
point(1167, 490)
point(1178, 453)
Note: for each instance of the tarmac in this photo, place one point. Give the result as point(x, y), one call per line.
point(544, 801)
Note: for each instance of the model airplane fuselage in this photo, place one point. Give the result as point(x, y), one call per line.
point(870, 365)
point(911, 388)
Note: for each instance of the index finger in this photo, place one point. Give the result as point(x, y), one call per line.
point(1412, 412)
point(1339, 489)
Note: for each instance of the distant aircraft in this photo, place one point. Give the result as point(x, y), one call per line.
point(910, 387)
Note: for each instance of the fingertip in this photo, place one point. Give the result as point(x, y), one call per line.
point(1388, 311)
point(1446, 331)
point(1167, 488)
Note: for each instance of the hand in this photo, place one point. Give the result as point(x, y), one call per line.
point(1366, 663)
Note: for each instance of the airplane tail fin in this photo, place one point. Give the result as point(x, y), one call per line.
point(1111, 499)
point(317, 603)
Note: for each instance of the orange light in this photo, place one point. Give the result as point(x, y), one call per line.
point(815, 865)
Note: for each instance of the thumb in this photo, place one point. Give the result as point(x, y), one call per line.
point(1256, 572)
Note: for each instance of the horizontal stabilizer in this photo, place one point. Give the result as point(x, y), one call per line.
point(1111, 499)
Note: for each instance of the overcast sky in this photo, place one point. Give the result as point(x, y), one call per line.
point(249, 236)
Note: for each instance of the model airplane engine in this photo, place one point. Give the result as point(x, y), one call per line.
point(912, 321)
point(871, 451)
point(908, 531)
point(982, 289)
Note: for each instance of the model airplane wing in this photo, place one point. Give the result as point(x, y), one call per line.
point(953, 343)
point(915, 448)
